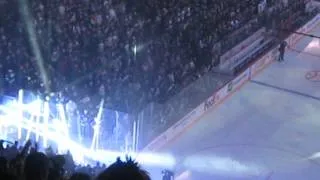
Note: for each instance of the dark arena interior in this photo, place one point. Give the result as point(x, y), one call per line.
point(86, 84)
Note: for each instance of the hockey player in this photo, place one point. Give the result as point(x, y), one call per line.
point(282, 49)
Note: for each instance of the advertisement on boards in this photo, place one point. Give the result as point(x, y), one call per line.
point(243, 55)
point(260, 64)
point(242, 47)
point(176, 129)
point(305, 29)
point(211, 101)
point(314, 22)
point(264, 61)
point(238, 81)
point(156, 143)
point(185, 120)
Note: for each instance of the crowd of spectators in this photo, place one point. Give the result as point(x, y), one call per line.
point(128, 52)
point(27, 163)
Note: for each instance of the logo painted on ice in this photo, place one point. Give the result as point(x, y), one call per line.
point(313, 76)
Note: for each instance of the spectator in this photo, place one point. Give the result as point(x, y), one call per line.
point(80, 176)
point(124, 170)
point(128, 53)
point(3, 164)
point(116, 50)
point(36, 167)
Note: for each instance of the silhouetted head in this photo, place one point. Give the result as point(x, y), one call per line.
point(80, 176)
point(36, 166)
point(124, 170)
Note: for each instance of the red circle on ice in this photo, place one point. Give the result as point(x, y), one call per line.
point(313, 76)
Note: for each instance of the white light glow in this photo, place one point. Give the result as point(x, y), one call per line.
point(222, 165)
point(56, 130)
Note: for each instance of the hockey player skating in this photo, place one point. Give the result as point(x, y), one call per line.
point(282, 49)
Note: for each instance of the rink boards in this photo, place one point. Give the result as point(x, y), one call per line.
point(226, 91)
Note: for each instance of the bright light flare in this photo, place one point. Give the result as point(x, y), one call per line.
point(315, 43)
point(56, 130)
point(314, 156)
point(28, 19)
point(150, 159)
point(96, 128)
point(46, 113)
point(20, 111)
point(186, 175)
point(159, 160)
point(222, 165)
point(63, 119)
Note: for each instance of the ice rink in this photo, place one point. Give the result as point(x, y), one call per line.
point(269, 129)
